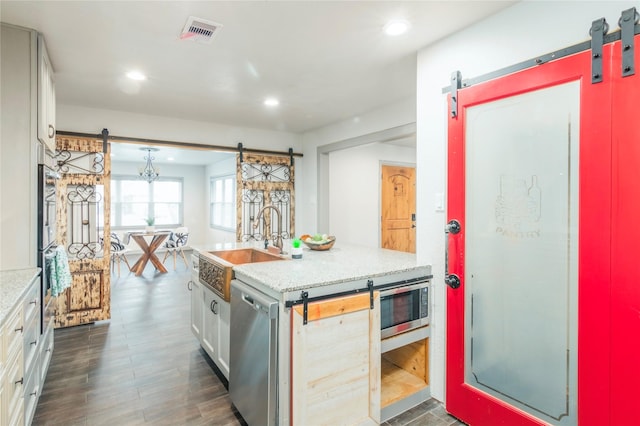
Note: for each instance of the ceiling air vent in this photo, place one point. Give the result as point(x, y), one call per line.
point(200, 30)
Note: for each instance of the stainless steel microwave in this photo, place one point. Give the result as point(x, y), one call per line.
point(404, 308)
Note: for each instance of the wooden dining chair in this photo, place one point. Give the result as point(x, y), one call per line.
point(175, 245)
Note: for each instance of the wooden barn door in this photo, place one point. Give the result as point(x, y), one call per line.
point(264, 180)
point(83, 219)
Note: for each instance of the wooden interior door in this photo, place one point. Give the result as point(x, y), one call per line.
point(398, 206)
point(83, 218)
point(529, 183)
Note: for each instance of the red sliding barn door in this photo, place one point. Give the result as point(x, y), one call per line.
point(624, 341)
point(529, 182)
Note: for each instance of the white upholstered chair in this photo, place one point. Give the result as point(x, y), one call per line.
point(118, 252)
point(176, 244)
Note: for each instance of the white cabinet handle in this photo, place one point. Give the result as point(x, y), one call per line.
point(52, 131)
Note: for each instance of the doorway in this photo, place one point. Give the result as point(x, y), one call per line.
point(398, 208)
point(349, 182)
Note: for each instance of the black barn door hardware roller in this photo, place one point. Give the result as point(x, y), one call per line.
point(627, 22)
point(599, 28)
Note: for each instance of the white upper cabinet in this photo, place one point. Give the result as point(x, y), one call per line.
point(46, 98)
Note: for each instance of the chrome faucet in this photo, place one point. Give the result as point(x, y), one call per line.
point(278, 240)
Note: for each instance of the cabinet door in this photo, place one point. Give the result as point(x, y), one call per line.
point(335, 362)
point(197, 302)
point(46, 98)
point(224, 315)
point(210, 323)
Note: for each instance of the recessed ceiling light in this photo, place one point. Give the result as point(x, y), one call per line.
point(170, 158)
point(271, 102)
point(136, 75)
point(396, 27)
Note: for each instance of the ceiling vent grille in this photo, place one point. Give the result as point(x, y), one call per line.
point(200, 30)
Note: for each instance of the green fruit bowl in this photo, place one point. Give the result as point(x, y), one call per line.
point(319, 245)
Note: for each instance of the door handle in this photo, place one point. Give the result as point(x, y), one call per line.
point(453, 281)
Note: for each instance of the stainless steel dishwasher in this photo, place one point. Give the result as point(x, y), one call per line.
point(253, 364)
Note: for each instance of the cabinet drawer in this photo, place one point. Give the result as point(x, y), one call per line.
point(13, 386)
point(30, 343)
point(31, 304)
point(46, 350)
point(31, 393)
point(17, 415)
point(13, 334)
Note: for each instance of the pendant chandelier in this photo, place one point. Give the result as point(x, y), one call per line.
point(149, 172)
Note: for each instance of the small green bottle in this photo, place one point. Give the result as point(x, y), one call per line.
point(296, 249)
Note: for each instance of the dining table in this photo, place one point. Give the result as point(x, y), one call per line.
point(148, 249)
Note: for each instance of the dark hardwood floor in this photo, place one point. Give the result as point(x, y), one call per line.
point(145, 367)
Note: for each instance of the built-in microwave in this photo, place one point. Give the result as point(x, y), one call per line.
point(403, 308)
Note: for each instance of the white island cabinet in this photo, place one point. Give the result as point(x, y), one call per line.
point(210, 315)
point(332, 365)
point(332, 369)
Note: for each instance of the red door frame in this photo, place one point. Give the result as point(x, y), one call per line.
point(625, 265)
point(594, 265)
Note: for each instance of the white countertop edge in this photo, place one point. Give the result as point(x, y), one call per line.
point(13, 286)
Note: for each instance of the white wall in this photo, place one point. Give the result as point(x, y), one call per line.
point(90, 120)
point(220, 168)
point(354, 187)
point(393, 115)
point(521, 32)
point(195, 195)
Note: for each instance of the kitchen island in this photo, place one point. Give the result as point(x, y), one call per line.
point(327, 333)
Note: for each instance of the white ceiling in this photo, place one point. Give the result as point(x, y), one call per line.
point(325, 60)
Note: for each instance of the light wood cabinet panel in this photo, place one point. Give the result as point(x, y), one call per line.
point(335, 362)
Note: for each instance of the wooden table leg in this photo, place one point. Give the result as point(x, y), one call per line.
point(148, 253)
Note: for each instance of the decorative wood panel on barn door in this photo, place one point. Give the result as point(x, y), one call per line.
point(264, 180)
point(529, 189)
point(83, 218)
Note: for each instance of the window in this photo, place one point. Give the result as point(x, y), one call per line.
point(133, 200)
point(222, 211)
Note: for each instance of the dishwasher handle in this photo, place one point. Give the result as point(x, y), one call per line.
point(258, 301)
point(248, 299)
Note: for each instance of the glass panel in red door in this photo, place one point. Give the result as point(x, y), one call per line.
point(518, 153)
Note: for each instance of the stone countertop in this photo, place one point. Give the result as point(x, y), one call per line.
point(13, 285)
point(342, 263)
